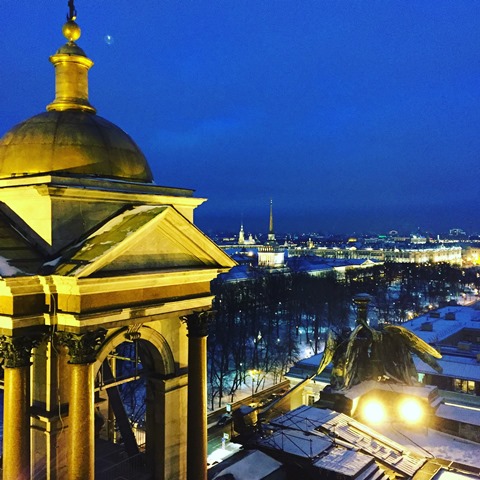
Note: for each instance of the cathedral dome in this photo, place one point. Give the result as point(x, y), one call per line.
point(69, 138)
point(71, 142)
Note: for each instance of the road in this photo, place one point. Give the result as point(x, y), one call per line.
point(216, 433)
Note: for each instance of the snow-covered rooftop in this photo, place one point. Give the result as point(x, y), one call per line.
point(453, 366)
point(458, 413)
point(255, 465)
point(445, 322)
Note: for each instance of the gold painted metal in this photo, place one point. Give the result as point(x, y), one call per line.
point(71, 83)
point(71, 31)
point(81, 431)
point(71, 73)
point(71, 142)
point(16, 423)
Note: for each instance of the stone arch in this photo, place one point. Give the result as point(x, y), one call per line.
point(165, 399)
point(154, 343)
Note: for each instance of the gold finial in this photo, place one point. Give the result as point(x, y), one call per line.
point(71, 31)
point(71, 70)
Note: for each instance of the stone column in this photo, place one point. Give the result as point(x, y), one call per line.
point(82, 349)
point(197, 325)
point(16, 352)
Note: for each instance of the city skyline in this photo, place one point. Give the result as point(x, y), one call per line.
point(352, 117)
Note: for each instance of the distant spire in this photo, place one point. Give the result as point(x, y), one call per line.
point(71, 70)
point(271, 233)
point(241, 235)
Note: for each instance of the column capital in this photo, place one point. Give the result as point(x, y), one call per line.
point(197, 323)
point(82, 347)
point(17, 351)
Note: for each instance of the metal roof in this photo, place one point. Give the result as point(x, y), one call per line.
point(298, 443)
point(445, 322)
point(463, 368)
point(396, 456)
point(345, 462)
point(333, 426)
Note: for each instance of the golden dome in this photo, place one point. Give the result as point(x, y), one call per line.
point(71, 142)
point(70, 139)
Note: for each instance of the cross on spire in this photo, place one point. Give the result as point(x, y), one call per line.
point(72, 12)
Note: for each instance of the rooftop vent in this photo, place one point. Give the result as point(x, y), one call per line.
point(450, 316)
point(426, 327)
point(435, 314)
point(465, 346)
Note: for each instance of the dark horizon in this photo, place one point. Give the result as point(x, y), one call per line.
point(335, 221)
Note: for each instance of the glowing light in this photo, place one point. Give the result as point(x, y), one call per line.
point(411, 411)
point(108, 39)
point(373, 411)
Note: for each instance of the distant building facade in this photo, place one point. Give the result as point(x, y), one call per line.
point(452, 255)
point(270, 254)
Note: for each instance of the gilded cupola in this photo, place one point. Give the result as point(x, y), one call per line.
point(69, 139)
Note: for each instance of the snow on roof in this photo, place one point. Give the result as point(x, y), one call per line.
point(370, 441)
point(436, 443)
point(300, 444)
point(458, 413)
point(313, 361)
point(317, 421)
point(345, 462)
point(456, 367)
point(254, 466)
point(107, 237)
point(303, 418)
point(237, 273)
point(362, 388)
point(449, 321)
point(6, 270)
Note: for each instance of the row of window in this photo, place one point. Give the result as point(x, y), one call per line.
point(464, 386)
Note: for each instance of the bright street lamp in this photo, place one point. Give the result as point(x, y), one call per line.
point(253, 374)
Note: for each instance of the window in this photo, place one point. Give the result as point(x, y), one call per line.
point(465, 386)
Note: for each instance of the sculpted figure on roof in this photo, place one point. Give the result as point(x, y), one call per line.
point(381, 354)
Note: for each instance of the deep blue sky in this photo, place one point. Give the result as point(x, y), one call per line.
point(351, 115)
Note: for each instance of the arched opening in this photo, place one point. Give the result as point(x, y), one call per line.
point(129, 404)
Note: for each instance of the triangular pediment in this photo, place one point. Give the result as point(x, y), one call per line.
point(143, 238)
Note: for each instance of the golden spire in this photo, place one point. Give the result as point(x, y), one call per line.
point(71, 70)
point(271, 233)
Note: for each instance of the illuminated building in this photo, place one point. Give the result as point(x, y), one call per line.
point(270, 254)
point(94, 255)
point(241, 237)
point(452, 255)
